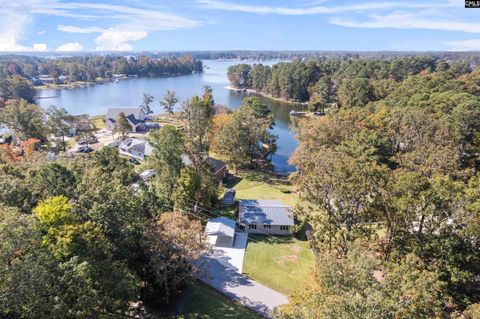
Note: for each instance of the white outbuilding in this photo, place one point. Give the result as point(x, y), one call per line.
point(221, 232)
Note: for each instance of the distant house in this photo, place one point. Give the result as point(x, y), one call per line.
point(62, 79)
point(229, 197)
point(135, 116)
point(135, 148)
point(221, 232)
point(46, 79)
point(265, 217)
point(219, 167)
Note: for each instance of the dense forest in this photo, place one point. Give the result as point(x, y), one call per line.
point(89, 68)
point(390, 193)
point(349, 82)
point(77, 240)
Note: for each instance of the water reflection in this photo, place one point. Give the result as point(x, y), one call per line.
point(95, 100)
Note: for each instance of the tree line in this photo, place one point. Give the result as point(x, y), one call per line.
point(89, 68)
point(345, 82)
point(390, 194)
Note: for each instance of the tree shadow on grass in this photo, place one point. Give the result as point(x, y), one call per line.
point(232, 180)
point(272, 240)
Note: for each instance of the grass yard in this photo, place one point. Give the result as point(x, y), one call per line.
point(200, 301)
point(281, 263)
point(262, 185)
point(247, 189)
point(98, 121)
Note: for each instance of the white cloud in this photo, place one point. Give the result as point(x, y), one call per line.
point(464, 45)
point(70, 47)
point(74, 29)
point(135, 22)
point(42, 32)
point(407, 21)
point(115, 40)
point(229, 6)
point(132, 24)
point(40, 47)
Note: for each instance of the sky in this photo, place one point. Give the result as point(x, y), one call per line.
point(165, 25)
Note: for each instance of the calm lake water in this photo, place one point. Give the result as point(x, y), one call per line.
point(96, 99)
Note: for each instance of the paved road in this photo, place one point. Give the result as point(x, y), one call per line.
point(240, 288)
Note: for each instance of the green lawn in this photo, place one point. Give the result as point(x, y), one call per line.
point(262, 190)
point(98, 121)
point(200, 301)
point(281, 263)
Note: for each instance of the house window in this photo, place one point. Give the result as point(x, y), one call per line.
point(267, 226)
point(252, 226)
point(283, 227)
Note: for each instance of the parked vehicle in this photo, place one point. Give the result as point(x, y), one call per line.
point(134, 161)
point(85, 149)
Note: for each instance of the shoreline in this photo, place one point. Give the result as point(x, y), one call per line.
point(84, 84)
point(268, 96)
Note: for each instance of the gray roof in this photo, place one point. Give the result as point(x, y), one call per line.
point(216, 164)
point(220, 226)
point(265, 212)
point(113, 113)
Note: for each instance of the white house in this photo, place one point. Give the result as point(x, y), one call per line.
point(265, 217)
point(221, 232)
point(135, 148)
point(135, 116)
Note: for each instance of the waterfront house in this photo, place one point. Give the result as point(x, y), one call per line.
point(265, 217)
point(46, 79)
point(135, 116)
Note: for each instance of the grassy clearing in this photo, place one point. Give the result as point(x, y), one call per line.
point(262, 185)
point(98, 121)
point(200, 301)
point(281, 263)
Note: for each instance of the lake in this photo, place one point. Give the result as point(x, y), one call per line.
point(96, 99)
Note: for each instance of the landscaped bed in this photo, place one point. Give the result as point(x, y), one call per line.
point(281, 263)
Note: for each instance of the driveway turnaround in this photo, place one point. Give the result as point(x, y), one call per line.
point(229, 281)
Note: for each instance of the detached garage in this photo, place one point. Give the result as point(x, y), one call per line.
point(221, 231)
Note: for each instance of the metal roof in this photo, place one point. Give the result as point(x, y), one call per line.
point(220, 226)
point(265, 212)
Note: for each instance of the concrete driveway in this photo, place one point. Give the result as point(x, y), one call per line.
point(232, 257)
point(223, 272)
